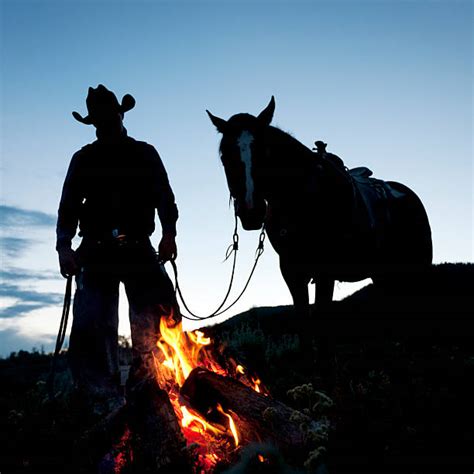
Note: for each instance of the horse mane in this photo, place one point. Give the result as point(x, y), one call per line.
point(284, 137)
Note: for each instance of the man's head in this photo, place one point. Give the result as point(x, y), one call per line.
point(104, 110)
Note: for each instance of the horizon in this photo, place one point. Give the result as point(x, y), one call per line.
point(386, 84)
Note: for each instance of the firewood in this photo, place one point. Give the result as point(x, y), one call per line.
point(258, 418)
point(157, 441)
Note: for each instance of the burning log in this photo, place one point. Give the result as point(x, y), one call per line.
point(257, 418)
point(158, 443)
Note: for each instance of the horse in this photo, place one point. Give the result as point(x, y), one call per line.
point(325, 222)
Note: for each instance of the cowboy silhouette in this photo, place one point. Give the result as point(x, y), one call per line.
point(112, 188)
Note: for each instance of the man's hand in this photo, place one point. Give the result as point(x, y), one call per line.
point(67, 262)
point(167, 248)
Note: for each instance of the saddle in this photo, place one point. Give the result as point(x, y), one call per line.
point(371, 213)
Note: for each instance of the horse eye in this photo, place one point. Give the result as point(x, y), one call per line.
point(231, 156)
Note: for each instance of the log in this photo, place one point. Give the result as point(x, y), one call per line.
point(258, 418)
point(157, 441)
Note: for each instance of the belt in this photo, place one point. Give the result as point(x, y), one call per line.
point(116, 238)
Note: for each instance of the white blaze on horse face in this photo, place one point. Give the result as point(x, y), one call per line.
point(244, 142)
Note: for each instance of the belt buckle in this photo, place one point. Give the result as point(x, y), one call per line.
point(120, 239)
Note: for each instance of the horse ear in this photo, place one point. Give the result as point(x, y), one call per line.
point(266, 115)
point(219, 123)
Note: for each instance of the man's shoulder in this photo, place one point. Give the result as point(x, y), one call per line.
point(146, 150)
point(83, 152)
point(90, 147)
point(142, 144)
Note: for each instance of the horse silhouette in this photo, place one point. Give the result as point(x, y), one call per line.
point(325, 222)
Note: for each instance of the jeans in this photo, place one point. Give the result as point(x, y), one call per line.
point(93, 346)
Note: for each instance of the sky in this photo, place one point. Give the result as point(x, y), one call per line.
point(386, 83)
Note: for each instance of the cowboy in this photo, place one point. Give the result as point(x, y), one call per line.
point(111, 190)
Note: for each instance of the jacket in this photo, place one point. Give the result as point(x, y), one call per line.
point(115, 187)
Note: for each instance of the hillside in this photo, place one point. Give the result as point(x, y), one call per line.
point(398, 363)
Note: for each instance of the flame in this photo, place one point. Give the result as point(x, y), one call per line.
point(179, 357)
point(232, 427)
point(197, 423)
point(199, 338)
point(256, 384)
point(179, 353)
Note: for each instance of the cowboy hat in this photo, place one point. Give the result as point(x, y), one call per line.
point(100, 101)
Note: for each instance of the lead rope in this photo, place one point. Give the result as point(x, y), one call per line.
point(61, 336)
point(233, 248)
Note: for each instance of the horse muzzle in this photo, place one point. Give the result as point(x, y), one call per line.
point(252, 218)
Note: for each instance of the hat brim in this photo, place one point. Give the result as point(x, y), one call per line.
point(128, 103)
point(85, 120)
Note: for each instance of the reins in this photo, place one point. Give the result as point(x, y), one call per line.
point(233, 248)
point(61, 336)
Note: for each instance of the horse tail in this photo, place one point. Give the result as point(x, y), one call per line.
point(411, 229)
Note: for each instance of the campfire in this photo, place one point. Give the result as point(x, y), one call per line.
point(213, 436)
point(201, 408)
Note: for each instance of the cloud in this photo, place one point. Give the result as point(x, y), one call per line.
point(26, 300)
point(17, 217)
point(19, 274)
point(14, 222)
point(30, 299)
point(13, 247)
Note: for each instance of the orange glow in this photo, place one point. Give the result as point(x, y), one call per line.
point(261, 458)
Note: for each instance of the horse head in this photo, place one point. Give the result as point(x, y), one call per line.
point(243, 153)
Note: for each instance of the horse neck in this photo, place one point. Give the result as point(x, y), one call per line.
point(286, 148)
point(295, 168)
point(297, 176)
point(287, 162)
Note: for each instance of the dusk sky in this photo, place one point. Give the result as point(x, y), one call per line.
point(387, 84)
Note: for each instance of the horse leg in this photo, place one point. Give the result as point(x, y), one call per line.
point(297, 283)
point(324, 338)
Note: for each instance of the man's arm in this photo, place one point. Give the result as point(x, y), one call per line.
point(68, 217)
point(165, 204)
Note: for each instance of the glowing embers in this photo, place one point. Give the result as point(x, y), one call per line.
point(214, 437)
point(254, 382)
